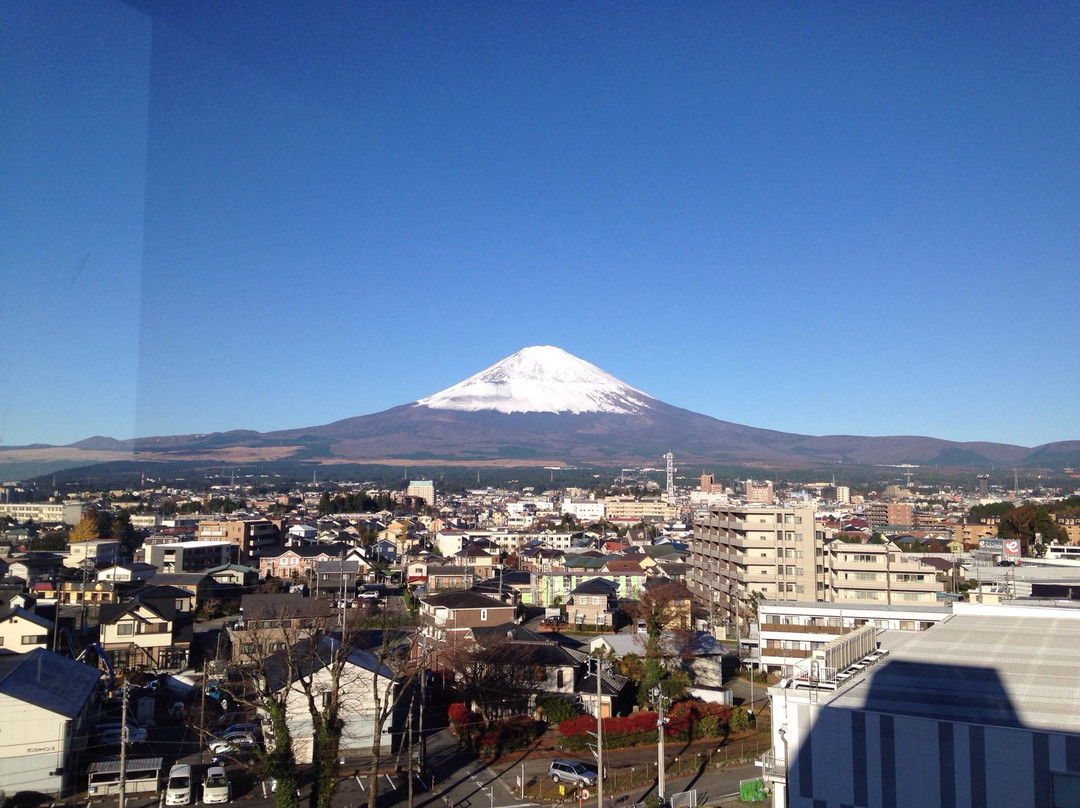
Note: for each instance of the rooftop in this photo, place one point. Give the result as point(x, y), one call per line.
point(1014, 666)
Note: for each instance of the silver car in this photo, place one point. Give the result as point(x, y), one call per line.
point(573, 772)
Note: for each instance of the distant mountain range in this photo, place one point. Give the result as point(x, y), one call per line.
point(544, 406)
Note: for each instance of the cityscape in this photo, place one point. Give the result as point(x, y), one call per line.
point(539, 405)
point(214, 627)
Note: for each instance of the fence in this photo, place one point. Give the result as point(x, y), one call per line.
point(624, 778)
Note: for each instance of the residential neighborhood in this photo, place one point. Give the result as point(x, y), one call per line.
point(476, 610)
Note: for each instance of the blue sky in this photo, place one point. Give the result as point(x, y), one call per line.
point(818, 218)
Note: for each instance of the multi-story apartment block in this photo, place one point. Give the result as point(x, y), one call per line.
point(843, 494)
point(584, 510)
point(189, 556)
point(424, 489)
point(878, 573)
point(70, 513)
point(249, 537)
point(742, 552)
point(630, 509)
point(760, 493)
point(894, 514)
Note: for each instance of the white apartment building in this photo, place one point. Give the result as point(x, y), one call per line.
point(584, 510)
point(70, 513)
point(789, 632)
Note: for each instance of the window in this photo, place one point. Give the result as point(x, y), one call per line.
point(559, 678)
point(325, 698)
point(483, 614)
point(125, 629)
point(34, 639)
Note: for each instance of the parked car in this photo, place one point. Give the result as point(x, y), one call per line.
point(250, 729)
point(216, 787)
point(110, 733)
point(553, 624)
point(178, 790)
point(573, 772)
point(233, 742)
point(642, 627)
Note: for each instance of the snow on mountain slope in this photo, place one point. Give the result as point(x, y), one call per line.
point(541, 379)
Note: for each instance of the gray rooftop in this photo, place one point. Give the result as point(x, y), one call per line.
point(1003, 669)
point(49, 681)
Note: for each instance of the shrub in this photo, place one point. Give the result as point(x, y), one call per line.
point(556, 708)
point(740, 720)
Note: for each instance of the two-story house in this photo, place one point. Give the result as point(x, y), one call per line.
point(362, 673)
point(144, 634)
point(446, 617)
point(270, 623)
point(593, 604)
point(22, 632)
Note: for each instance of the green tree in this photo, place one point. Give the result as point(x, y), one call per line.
point(325, 506)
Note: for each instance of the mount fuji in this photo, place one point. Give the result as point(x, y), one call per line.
point(544, 406)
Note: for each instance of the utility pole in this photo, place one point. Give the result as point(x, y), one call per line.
point(658, 694)
point(123, 743)
point(599, 742)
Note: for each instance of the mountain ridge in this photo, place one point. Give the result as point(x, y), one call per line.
point(544, 405)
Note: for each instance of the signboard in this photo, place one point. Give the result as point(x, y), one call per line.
point(991, 545)
point(1011, 549)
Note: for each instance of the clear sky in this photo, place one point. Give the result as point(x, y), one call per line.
point(812, 217)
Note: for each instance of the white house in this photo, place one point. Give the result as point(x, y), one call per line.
point(357, 709)
point(22, 632)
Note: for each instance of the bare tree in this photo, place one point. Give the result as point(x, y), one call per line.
point(494, 672)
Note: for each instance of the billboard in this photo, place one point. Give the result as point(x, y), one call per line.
point(1010, 550)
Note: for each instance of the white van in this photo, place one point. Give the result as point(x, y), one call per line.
point(178, 791)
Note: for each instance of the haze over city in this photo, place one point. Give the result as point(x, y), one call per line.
point(844, 219)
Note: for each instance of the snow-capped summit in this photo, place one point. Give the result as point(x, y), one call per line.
point(542, 378)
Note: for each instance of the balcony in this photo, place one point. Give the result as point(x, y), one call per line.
point(784, 654)
point(773, 768)
point(784, 628)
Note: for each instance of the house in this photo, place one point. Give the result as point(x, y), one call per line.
point(128, 573)
point(446, 617)
point(152, 634)
point(297, 562)
point(449, 577)
point(557, 669)
point(36, 567)
point(593, 604)
point(198, 586)
point(311, 659)
point(77, 593)
point(48, 703)
point(270, 623)
point(22, 632)
point(98, 553)
point(481, 561)
point(233, 575)
point(336, 579)
point(385, 550)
